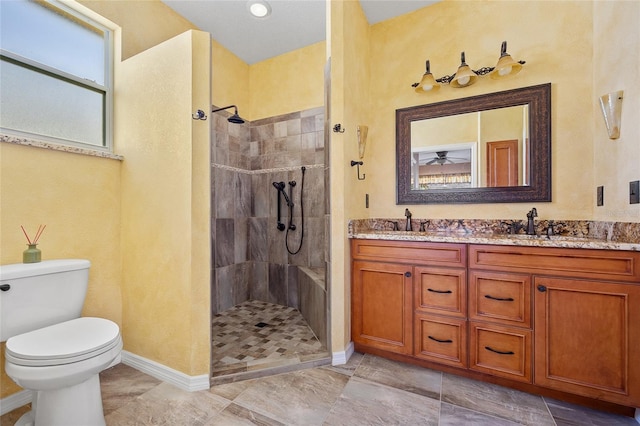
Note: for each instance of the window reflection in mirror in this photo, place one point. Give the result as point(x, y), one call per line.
point(478, 149)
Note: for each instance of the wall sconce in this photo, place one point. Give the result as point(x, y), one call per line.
point(362, 139)
point(611, 105)
point(465, 76)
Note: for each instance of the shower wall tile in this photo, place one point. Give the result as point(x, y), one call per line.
point(259, 281)
point(294, 127)
point(280, 129)
point(242, 195)
point(224, 185)
point(241, 275)
point(258, 239)
point(278, 283)
point(262, 191)
point(225, 242)
point(316, 233)
point(293, 298)
point(277, 250)
point(241, 240)
point(249, 253)
point(308, 124)
point(224, 281)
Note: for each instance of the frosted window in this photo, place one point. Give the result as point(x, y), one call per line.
point(37, 103)
point(52, 38)
point(55, 74)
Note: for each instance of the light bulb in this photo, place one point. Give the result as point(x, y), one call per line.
point(463, 81)
point(505, 71)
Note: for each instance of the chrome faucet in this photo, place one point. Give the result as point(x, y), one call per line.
point(407, 213)
point(531, 223)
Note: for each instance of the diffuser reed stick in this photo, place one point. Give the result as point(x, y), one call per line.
point(38, 234)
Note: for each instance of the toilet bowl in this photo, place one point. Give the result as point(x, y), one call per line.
point(50, 349)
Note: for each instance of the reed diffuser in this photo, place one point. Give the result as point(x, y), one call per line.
point(32, 254)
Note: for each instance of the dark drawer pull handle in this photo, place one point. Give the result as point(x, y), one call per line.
point(542, 288)
point(407, 274)
point(499, 352)
point(439, 291)
point(440, 341)
point(501, 299)
point(5, 287)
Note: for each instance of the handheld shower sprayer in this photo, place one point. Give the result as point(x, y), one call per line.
point(280, 187)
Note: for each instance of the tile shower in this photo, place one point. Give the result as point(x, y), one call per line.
point(250, 261)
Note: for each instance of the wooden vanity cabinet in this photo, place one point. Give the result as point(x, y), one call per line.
point(586, 316)
point(382, 304)
point(542, 319)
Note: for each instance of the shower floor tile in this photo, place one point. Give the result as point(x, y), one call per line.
point(257, 335)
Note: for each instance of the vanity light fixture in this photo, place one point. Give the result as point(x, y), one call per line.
point(259, 8)
point(465, 76)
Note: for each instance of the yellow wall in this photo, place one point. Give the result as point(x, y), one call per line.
point(144, 23)
point(287, 83)
point(616, 62)
point(77, 197)
point(350, 76)
point(552, 43)
point(229, 80)
point(165, 202)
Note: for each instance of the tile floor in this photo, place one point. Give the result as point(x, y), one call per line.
point(257, 335)
point(368, 390)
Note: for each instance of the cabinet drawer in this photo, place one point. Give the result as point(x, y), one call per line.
point(500, 351)
point(503, 298)
point(410, 252)
point(441, 291)
point(580, 263)
point(440, 339)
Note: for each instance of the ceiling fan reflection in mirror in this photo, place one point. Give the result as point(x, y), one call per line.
point(444, 157)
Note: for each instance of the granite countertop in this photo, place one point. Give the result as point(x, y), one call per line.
point(498, 239)
point(575, 235)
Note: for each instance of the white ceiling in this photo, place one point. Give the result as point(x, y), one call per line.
point(293, 23)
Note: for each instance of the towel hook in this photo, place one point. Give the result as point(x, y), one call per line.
point(358, 164)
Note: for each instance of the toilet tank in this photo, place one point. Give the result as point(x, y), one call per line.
point(36, 295)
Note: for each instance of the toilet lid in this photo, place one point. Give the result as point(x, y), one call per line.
point(63, 343)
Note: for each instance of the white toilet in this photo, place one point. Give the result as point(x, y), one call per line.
point(50, 350)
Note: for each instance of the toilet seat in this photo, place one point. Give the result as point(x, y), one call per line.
point(64, 343)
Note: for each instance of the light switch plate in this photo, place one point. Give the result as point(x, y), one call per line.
point(634, 192)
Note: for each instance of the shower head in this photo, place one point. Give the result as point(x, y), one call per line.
point(235, 118)
point(279, 185)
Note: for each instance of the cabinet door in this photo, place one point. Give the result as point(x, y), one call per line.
point(441, 339)
point(587, 338)
point(381, 307)
point(441, 291)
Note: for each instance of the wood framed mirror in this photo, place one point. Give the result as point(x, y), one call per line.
point(492, 148)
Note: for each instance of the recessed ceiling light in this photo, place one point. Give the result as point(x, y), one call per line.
point(259, 8)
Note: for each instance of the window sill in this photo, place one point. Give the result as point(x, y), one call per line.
point(55, 147)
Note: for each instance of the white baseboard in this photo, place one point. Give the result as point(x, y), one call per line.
point(14, 401)
point(637, 416)
point(340, 358)
point(166, 374)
